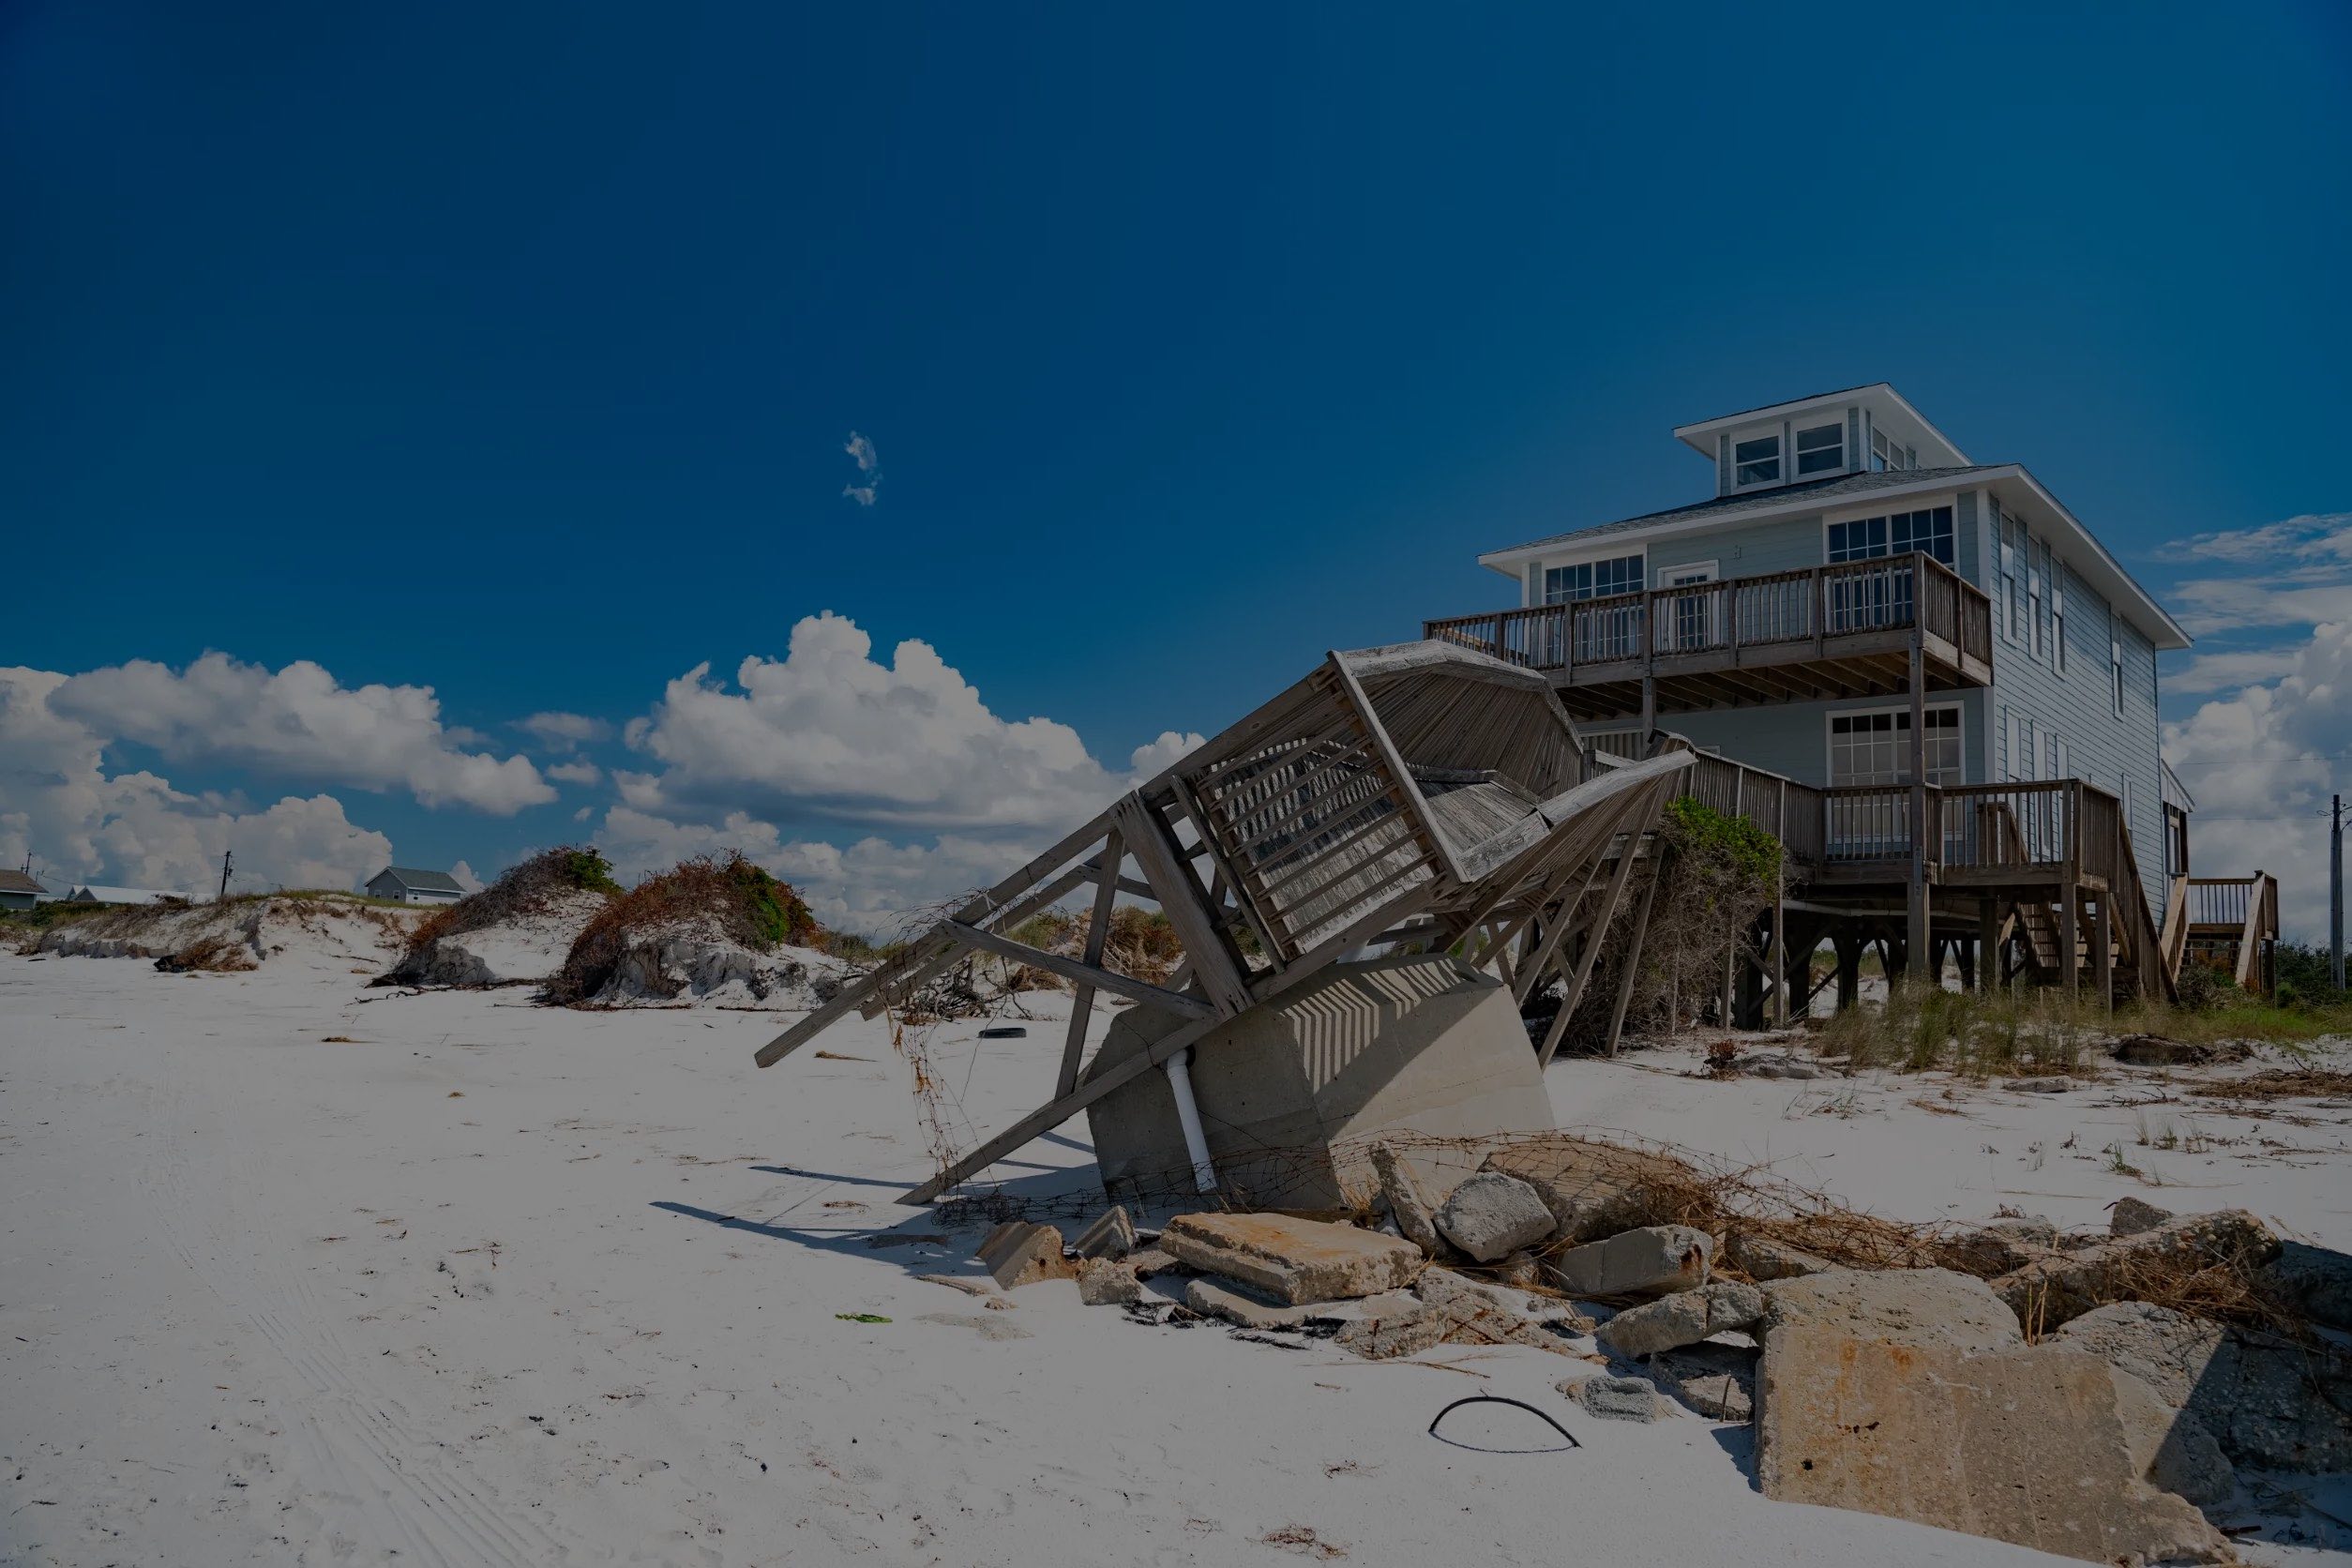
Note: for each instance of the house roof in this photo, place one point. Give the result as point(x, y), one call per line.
point(1780, 498)
point(94, 893)
point(420, 881)
point(17, 881)
point(1881, 396)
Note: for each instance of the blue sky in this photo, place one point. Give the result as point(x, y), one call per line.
point(512, 353)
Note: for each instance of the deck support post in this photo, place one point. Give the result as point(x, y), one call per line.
point(1917, 942)
point(1848, 948)
point(1988, 941)
point(1648, 711)
point(2103, 948)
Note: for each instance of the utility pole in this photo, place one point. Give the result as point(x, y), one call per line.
point(224, 874)
point(2335, 892)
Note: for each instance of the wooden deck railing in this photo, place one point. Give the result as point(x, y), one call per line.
point(1793, 612)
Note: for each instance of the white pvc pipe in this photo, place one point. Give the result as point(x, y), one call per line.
point(1204, 1173)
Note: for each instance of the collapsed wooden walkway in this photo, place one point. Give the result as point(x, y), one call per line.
point(1418, 793)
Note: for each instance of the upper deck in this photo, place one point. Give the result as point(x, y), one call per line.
point(1840, 631)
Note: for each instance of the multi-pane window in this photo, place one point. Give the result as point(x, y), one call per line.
point(2012, 537)
point(1821, 449)
point(1592, 579)
point(1755, 460)
point(1886, 455)
point(1875, 748)
point(1897, 535)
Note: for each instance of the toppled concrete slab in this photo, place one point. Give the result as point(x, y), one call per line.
point(1760, 1258)
point(1407, 1204)
point(1295, 1261)
point(2020, 1444)
point(1683, 1319)
point(1108, 1282)
point(1244, 1308)
point(1018, 1253)
point(1150, 1260)
point(2065, 1286)
point(1652, 1261)
point(1902, 1306)
point(1492, 1215)
point(2267, 1402)
point(1617, 1398)
point(1592, 1190)
point(1386, 1336)
point(2130, 1216)
point(1111, 1235)
point(2172, 1449)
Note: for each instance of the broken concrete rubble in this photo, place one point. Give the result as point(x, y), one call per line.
point(1493, 1215)
point(1760, 1258)
point(2316, 1281)
point(1400, 1189)
point(1111, 1235)
point(1617, 1398)
point(1717, 1381)
point(2023, 1444)
point(1295, 1261)
point(1108, 1282)
point(1592, 1190)
point(2065, 1286)
point(1649, 1261)
point(2130, 1216)
point(1997, 1247)
point(1683, 1319)
point(1018, 1253)
point(2265, 1401)
point(1244, 1308)
point(2171, 1448)
point(1385, 1336)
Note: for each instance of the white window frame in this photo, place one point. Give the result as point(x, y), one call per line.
point(1698, 572)
point(2034, 595)
point(1780, 458)
point(1797, 454)
point(2058, 619)
point(2115, 674)
point(1863, 513)
point(1959, 730)
point(1538, 580)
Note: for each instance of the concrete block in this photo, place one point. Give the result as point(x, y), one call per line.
point(2171, 1447)
point(1385, 1336)
point(1018, 1253)
point(1295, 1092)
point(2020, 1444)
point(1221, 1298)
point(2000, 1245)
point(1400, 1189)
point(1592, 1190)
point(1108, 1282)
point(1683, 1319)
point(2130, 1216)
point(1617, 1398)
point(2065, 1286)
point(1111, 1235)
point(1294, 1260)
point(1902, 1306)
point(2267, 1402)
point(1492, 1215)
point(1150, 1260)
point(1653, 1260)
point(1760, 1258)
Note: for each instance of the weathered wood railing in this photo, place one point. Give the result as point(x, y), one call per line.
point(1790, 611)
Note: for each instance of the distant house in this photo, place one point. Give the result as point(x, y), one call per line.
point(90, 892)
point(19, 891)
point(411, 886)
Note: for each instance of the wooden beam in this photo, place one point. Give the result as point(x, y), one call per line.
point(1070, 969)
point(1592, 951)
point(1633, 954)
point(1216, 967)
point(1097, 932)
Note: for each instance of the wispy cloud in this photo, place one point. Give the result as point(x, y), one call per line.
point(2324, 538)
point(861, 451)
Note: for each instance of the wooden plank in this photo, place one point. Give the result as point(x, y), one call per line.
point(1097, 934)
point(1425, 825)
point(1070, 969)
point(1633, 954)
point(1216, 967)
point(1592, 947)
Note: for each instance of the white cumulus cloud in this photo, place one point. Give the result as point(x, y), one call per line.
point(299, 722)
point(59, 805)
point(564, 731)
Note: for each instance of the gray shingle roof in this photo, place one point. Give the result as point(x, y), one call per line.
point(17, 881)
point(422, 882)
point(1751, 500)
